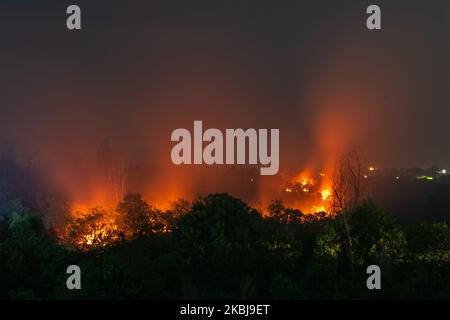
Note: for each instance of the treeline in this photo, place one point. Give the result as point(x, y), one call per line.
point(220, 248)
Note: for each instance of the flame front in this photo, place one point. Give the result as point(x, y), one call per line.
point(97, 224)
point(308, 192)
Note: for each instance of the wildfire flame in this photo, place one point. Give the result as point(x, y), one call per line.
point(326, 193)
point(96, 224)
point(309, 193)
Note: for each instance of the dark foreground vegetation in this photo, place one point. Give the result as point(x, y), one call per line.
point(222, 248)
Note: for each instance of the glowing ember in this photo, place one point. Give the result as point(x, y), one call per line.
point(305, 181)
point(318, 209)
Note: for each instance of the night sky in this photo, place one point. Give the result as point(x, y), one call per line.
point(140, 69)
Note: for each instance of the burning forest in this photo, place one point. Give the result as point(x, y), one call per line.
point(212, 150)
point(116, 213)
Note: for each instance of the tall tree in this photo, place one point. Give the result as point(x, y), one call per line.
point(347, 181)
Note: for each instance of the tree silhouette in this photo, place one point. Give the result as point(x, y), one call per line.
point(347, 182)
point(136, 217)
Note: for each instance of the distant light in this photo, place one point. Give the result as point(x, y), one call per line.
point(365, 176)
point(397, 177)
point(443, 171)
point(425, 178)
point(251, 180)
point(371, 168)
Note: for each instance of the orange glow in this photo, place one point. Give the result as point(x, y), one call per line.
point(308, 192)
point(325, 194)
point(90, 228)
point(318, 209)
point(305, 181)
point(98, 234)
point(98, 225)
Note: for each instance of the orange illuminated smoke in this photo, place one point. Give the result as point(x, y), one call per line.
point(96, 224)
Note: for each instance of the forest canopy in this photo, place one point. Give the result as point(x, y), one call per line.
point(218, 247)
